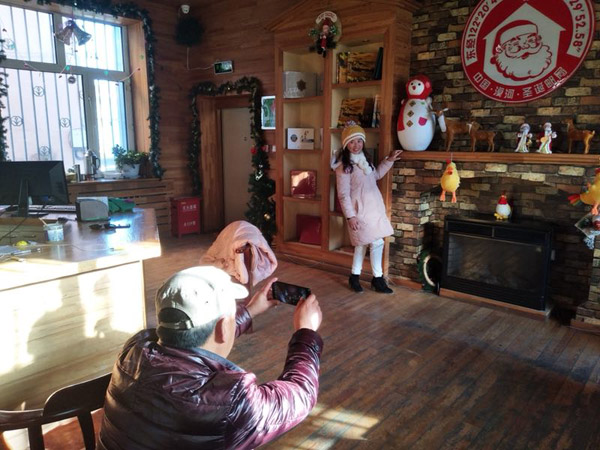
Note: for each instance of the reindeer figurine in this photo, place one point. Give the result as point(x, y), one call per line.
point(454, 127)
point(578, 135)
point(481, 135)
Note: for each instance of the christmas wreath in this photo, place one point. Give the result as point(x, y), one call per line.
point(326, 33)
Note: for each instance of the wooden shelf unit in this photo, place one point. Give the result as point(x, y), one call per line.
point(387, 26)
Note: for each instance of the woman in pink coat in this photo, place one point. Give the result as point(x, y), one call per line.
point(363, 205)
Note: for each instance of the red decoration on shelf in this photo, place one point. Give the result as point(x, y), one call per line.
point(308, 229)
point(303, 183)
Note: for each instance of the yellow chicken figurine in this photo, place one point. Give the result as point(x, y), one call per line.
point(591, 196)
point(450, 181)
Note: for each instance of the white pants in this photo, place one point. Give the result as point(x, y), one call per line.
point(376, 256)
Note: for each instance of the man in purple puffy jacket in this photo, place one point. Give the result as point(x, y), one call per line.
point(173, 388)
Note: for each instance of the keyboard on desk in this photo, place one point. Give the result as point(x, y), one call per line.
point(53, 208)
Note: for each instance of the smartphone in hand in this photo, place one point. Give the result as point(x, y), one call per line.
point(289, 293)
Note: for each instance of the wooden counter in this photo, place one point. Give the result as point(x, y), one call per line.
point(67, 309)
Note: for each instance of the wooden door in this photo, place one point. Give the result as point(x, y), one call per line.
point(237, 161)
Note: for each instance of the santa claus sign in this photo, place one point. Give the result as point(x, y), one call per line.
point(519, 50)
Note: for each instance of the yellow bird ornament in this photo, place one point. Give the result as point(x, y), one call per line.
point(450, 181)
point(590, 196)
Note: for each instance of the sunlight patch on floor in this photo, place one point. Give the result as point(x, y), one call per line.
point(324, 427)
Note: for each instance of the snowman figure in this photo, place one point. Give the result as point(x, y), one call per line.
point(416, 121)
point(503, 209)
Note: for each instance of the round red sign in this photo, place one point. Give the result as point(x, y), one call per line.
point(518, 50)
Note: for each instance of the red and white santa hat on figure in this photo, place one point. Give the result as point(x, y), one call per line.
point(512, 30)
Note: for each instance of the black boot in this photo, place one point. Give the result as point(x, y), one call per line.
point(379, 284)
point(354, 282)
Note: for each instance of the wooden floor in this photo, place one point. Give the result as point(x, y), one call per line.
point(416, 371)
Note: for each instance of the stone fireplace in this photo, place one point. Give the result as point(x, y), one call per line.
point(502, 260)
point(538, 186)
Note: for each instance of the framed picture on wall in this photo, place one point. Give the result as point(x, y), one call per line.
point(267, 115)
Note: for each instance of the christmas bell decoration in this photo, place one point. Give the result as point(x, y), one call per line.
point(72, 29)
point(64, 35)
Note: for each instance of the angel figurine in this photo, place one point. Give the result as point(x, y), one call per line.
point(524, 136)
point(546, 139)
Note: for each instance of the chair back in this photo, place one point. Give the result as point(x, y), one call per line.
point(77, 400)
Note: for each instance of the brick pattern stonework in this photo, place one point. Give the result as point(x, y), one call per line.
point(538, 191)
point(437, 32)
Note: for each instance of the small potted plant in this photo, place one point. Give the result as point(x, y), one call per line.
point(128, 161)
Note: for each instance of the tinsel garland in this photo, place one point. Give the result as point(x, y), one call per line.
point(132, 11)
point(261, 208)
point(3, 93)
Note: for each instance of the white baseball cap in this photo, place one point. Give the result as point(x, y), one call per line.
point(204, 293)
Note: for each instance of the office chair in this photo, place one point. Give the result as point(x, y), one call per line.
point(77, 400)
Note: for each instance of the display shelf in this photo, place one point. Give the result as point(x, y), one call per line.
point(316, 98)
point(367, 130)
point(303, 245)
point(289, 198)
point(388, 28)
point(288, 151)
point(356, 84)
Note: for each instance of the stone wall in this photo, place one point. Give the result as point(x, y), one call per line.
point(437, 32)
point(538, 192)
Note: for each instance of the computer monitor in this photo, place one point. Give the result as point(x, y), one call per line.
point(39, 182)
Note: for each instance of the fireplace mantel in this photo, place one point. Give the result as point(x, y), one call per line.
point(520, 158)
point(538, 185)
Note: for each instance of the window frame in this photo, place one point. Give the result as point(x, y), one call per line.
point(89, 75)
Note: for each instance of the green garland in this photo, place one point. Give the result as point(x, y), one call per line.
point(133, 11)
point(261, 208)
point(3, 93)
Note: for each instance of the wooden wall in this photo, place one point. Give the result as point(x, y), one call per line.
point(233, 30)
point(171, 78)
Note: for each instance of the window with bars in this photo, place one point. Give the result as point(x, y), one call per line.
point(68, 87)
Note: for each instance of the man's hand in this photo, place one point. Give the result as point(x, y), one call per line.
point(261, 301)
point(308, 314)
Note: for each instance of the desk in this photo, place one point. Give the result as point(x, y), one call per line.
point(66, 311)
